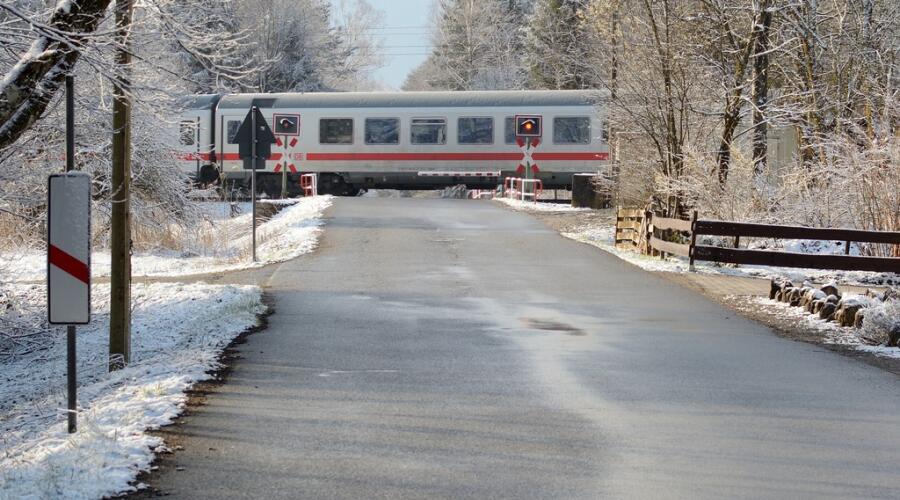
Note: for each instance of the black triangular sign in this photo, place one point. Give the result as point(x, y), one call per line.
point(264, 140)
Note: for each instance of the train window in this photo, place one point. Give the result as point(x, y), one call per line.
point(510, 129)
point(336, 131)
point(572, 130)
point(428, 131)
point(475, 130)
point(382, 130)
point(233, 126)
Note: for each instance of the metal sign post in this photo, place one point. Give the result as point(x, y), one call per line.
point(528, 174)
point(255, 139)
point(69, 253)
point(253, 142)
point(284, 172)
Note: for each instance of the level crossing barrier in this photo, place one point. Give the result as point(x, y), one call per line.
point(522, 189)
point(509, 187)
point(530, 188)
point(477, 194)
point(309, 183)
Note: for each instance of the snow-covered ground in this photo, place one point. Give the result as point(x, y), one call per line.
point(604, 237)
point(292, 232)
point(178, 333)
point(832, 332)
point(540, 206)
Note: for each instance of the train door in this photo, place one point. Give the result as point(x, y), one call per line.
point(227, 153)
point(189, 144)
point(228, 147)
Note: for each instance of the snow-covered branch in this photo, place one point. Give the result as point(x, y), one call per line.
point(26, 90)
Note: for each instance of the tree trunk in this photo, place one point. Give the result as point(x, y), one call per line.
point(613, 87)
point(734, 103)
point(812, 140)
point(674, 155)
point(40, 72)
point(120, 237)
point(761, 90)
point(614, 50)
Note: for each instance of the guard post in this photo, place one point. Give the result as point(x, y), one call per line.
point(69, 264)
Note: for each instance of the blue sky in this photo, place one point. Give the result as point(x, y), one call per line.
point(405, 37)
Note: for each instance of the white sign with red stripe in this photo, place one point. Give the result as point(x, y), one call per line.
point(69, 249)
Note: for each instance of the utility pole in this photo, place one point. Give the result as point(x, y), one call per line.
point(120, 238)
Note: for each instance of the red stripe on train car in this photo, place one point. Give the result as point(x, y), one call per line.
point(570, 156)
point(237, 157)
point(557, 156)
point(413, 156)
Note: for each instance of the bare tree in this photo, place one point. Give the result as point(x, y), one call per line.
point(477, 46)
point(558, 46)
point(728, 50)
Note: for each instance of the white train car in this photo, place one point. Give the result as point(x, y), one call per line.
point(398, 140)
point(197, 141)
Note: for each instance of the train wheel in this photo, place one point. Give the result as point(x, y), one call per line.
point(336, 185)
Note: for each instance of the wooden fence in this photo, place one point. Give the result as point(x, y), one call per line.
point(658, 233)
point(629, 226)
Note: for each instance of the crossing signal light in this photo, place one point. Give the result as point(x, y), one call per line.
point(287, 124)
point(528, 126)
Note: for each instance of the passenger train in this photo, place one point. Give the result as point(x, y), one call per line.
point(396, 140)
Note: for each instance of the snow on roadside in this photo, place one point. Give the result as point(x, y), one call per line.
point(179, 330)
point(832, 332)
point(292, 232)
point(540, 206)
point(604, 238)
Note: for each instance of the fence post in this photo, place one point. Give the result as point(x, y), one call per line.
point(616, 233)
point(693, 240)
point(847, 248)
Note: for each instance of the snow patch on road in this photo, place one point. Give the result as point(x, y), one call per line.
point(532, 206)
point(292, 232)
point(179, 330)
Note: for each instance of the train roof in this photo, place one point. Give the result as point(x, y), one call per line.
point(495, 98)
point(200, 101)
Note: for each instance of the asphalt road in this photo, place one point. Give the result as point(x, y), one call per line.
point(455, 349)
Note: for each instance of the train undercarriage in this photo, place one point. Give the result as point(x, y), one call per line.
point(353, 183)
